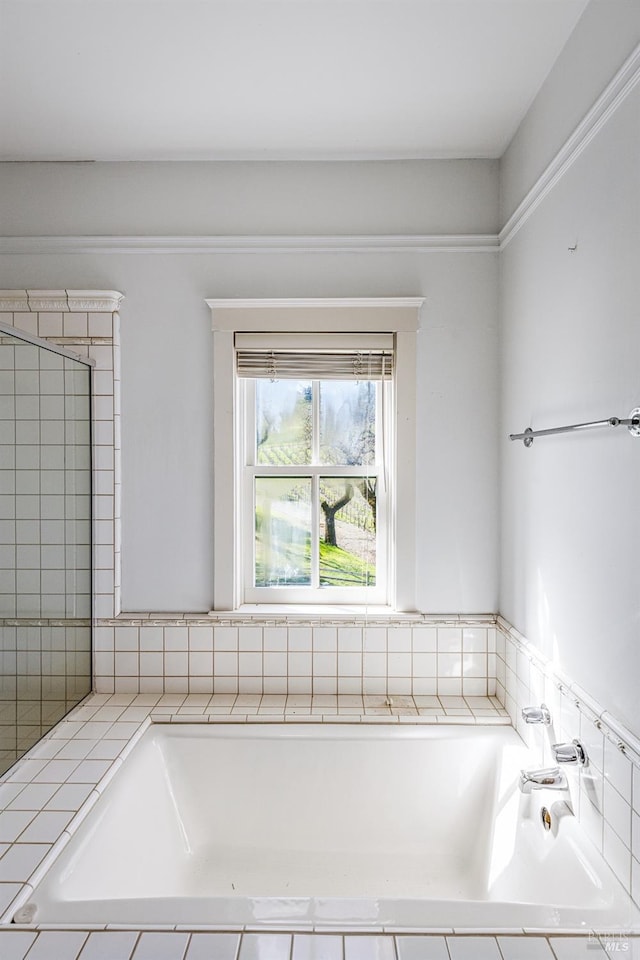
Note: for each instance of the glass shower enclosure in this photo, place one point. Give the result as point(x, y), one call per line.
point(45, 538)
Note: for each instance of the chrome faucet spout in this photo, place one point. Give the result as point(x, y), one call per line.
point(550, 778)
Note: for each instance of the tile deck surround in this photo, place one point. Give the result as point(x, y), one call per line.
point(47, 793)
point(181, 944)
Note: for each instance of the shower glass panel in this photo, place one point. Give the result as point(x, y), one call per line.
point(45, 540)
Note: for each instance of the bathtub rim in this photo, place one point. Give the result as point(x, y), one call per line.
point(151, 710)
point(228, 726)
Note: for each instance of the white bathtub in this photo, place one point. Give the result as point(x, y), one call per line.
point(419, 826)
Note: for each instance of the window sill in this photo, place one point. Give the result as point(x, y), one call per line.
point(314, 611)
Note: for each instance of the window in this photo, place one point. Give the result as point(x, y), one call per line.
point(314, 452)
point(316, 467)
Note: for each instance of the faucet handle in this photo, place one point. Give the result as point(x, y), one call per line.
point(536, 714)
point(572, 753)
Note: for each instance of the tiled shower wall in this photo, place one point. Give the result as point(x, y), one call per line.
point(45, 541)
point(45, 492)
point(45, 607)
point(87, 323)
point(605, 792)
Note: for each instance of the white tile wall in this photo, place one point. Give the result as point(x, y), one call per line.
point(411, 657)
point(607, 791)
point(97, 335)
point(41, 411)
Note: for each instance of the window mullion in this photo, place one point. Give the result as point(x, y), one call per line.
point(381, 463)
point(315, 534)
point(315, 484)
point(324, 470)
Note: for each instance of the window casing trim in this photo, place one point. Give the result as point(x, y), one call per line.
point(399, 316)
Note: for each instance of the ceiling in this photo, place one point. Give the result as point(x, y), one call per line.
point(271, 79)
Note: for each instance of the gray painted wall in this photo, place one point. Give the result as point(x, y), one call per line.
point(167, 345)
point(570, 352)
point(603, 38)
point(398, 197)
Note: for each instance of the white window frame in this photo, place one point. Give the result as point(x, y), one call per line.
point(246, 508)
point(399, 316)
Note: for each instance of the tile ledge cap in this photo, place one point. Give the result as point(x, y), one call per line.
point(270, 613)
point(93, 301)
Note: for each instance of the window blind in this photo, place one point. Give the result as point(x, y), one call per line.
point(319, 357)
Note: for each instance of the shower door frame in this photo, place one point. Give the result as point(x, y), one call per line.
point(25, 337)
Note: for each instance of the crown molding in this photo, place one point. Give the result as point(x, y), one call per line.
point(57, 301)
point(614, 94)
point(375, 243)
point(604, 107)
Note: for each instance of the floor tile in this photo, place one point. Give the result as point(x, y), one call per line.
point(316, 947)
point(56, 771)
point(473, 948)
point(34, 796)
point(58, 945)
point(8, 891)
point(12, 823)
point(213, 946)
point(70, 796)
point(89, 771)
point(577, 948)
point(121, 730)
point(25, 770)
point(21, 859)
point(107, 750)
point(265, 946)
point(161, 946)
point(369, 948)
point(109, 945)
point(75, 750)
point(14, 944)
point(525, 948)
point(46, 827)
point(422, 948)
point(9, 792)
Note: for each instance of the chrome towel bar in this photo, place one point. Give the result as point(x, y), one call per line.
point(632, 422)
